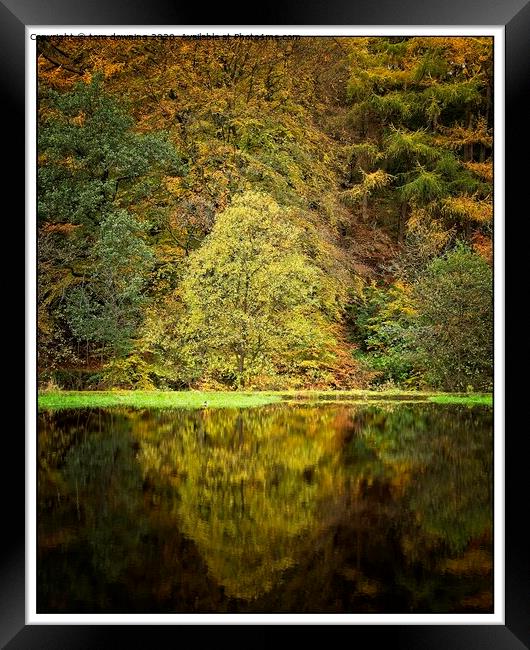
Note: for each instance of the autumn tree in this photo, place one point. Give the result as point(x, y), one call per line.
point(427, 103)
point(251, 294)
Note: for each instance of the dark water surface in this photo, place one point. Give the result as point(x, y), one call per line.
point(286, 508)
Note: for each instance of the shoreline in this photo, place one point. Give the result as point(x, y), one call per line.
point(56, 400)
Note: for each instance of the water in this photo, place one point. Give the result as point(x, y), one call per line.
point(286, 508)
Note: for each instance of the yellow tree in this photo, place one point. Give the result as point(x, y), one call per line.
point(250, 292)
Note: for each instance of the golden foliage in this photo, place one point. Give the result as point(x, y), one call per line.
point(483, 170)
point(468, 208)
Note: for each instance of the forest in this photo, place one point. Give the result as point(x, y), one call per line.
point(265, 214)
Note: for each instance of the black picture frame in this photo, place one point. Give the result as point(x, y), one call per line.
point(514, 15)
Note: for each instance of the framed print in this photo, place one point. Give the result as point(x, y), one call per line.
point(185, 235)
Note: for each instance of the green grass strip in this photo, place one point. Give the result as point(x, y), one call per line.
point(469, 400)
point(199, 399)
point(153, 399)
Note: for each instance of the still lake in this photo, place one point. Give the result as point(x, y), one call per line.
point(287, 508)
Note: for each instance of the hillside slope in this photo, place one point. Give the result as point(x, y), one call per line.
point(363, 159)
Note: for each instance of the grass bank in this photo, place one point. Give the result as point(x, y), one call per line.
point(469, 400)
point(198, 399)
point(153, 399)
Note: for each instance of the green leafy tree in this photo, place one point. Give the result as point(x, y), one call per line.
point(107, 307)
point(95, 171)
point(454, 333)
point(251, 294)
point(91, 159)
point(435, 329)
point(382, 321)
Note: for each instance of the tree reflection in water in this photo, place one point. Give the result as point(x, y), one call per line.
point(286, 508)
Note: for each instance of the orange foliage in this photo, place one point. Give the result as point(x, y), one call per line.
point(483, 245)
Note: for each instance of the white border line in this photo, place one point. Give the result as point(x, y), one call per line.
point(31, 333)
point(498, 617)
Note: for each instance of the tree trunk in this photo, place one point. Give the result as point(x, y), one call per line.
point(240, 368)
